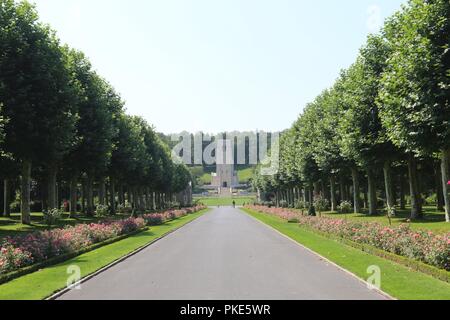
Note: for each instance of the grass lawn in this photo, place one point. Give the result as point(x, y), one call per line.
point(13, 227)
point(433, 220)
point(245, 175)
point(206, 178)
point(44, 283)
point(398, 281)
point(217, 201)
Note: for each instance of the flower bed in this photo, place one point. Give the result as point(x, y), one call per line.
point(422, 246)
point(23, 251)
point(283, 213)
point(154, 219)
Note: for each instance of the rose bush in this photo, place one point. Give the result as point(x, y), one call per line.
point(13, 258)
point(154, 219)
point(22, 251)
point(423, 246)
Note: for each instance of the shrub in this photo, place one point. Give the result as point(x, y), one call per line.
point(51, 217)
point(125, 208)
point(102, 211)
point(320, 203)
point(174, 205)
point(13, 258)
point(345, 207)
point(392, 211)
point(431, 200)
point(284, 204)
point(300, 204)
point(312, 211)
point(130, 225)
point(154, 219)
point(267, 203)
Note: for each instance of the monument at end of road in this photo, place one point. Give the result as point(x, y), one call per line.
point(225, 179)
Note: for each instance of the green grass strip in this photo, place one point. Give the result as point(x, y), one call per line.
point(44, 283)
point(396, 280)
point(227, 201)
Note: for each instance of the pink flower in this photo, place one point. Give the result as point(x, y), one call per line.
point(419, 245)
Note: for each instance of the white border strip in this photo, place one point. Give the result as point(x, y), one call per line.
point(318, 255)
point(118, 261)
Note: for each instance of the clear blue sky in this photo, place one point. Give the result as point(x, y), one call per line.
point(217, 65)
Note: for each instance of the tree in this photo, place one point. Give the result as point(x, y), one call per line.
point(97, 108)
point(415, 93)
point(306, 165)
point(363, 137)
point(35, 92)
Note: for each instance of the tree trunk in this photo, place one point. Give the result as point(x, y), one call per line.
point(129, 200)
point(121, 195)
point(311, 194)
point(73, 196)
point(333, 193)
point(347, 191)
point(153, 201)
point(322, 190)
point(402, 192)
point(112, 195)
point(102, 192)
point(390, 203)
point(25, 192)
point(416, 210)
point(356, 191)
point(446, 181)
point(394, 187)
point(51, 187)
point(372, 192)
point(136, 199)
point(158, 201)
point(277, 202)
point(83, 196)
point(90, 196)
point(58, 194)
point(341, 188)
point(148, 202)
point(141, 200)
point(6, 198)
point(366, 200)
point(316, 190)
point(440, 202)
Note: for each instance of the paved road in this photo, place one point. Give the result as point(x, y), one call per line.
point(224, 255)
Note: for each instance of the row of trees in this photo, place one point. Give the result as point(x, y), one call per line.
point(63, 124)
point(385, 122)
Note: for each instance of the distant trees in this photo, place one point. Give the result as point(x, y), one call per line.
point(61, 124)
point(389, 113)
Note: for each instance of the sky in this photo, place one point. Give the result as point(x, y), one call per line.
point(217, 65)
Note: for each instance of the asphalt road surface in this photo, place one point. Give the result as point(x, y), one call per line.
point(224, 255)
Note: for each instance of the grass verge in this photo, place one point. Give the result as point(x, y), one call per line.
point(44, 283)
point(396, 280)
